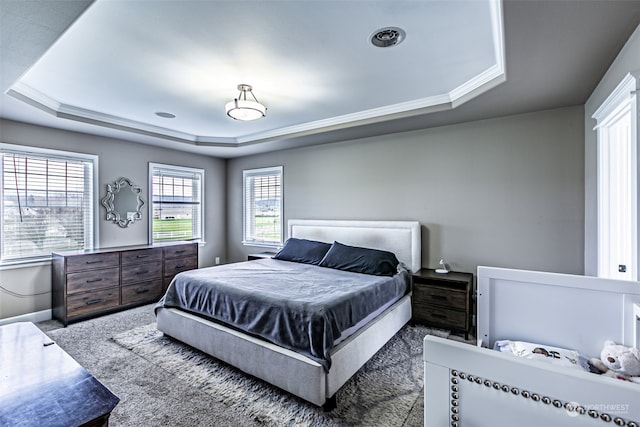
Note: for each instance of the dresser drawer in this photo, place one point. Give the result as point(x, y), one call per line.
point(92, 261)
point(175, 266)
point(141, 255)
point(141, 272)
point(90, 302)
point(93, 279)
point(142, 292)
point(442, 316)
point(427, 295)
point(177, 251)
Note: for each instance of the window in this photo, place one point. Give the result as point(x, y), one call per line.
point(177, 200)
point(48, 202)
point(262, 207)
point(617, 183)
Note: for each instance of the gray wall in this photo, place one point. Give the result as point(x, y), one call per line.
point(627, 60)
point(116, 159)
point(505, 192)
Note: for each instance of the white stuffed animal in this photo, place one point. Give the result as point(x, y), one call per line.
point(619, 361)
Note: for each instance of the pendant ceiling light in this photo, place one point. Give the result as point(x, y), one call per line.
point(245, 109)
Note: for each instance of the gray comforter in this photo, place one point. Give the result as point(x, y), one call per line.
point(302, 307)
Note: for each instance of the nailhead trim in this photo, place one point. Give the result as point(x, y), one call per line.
point(567, 406)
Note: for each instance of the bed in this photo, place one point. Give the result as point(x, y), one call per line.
point(303, 372)
point(468, 385)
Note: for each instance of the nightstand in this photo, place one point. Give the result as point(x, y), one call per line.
point(443, 300)
point(260, 255)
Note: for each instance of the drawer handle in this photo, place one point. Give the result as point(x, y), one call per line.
point(94, 280)
point(142, 272)
point(142, 256)
point(94, 301)
point(441, 297)
point(94, 262)
point(439, 316)
point(180, 266)
point(141, 291)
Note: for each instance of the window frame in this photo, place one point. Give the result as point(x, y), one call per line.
point(93, 240)
point(178, 169)
point(247, 173)
point(623, 100)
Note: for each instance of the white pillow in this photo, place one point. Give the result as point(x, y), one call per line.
point(544, 353)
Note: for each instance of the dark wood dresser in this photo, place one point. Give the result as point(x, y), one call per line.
point(99, 281)
point(443, 300)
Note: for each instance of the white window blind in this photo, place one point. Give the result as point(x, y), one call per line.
point(263, 206)
point(47, 203)
point(177, 201)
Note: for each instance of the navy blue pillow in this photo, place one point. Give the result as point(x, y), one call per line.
point(360, 260)
point(304, 251)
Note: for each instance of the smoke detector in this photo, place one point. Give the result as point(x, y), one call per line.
point(387, 37)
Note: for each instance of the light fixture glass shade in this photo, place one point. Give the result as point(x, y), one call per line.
point(245, 110)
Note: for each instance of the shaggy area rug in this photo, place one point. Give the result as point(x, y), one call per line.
point(382, 392)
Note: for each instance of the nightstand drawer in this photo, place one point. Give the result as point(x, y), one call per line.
point(443, 316)
point(261, 255)
point(425, 295)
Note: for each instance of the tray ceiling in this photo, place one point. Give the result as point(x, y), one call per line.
point(311, 64)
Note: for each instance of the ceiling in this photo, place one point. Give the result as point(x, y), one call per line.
point(106, 67)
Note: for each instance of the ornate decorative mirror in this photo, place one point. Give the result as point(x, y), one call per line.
point(123, 202)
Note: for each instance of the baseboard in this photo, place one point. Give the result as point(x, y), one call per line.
point(38, 316)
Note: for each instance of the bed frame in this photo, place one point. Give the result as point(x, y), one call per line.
point(286, 369)
point(468, 385)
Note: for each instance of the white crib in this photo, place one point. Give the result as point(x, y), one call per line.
point(467, 385)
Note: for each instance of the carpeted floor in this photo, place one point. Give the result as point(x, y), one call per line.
point(381, 393)
point(148, 396)
point(162, 382)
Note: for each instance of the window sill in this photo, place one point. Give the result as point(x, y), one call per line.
point(201, 243)
point(263, 245)
point(12, 265)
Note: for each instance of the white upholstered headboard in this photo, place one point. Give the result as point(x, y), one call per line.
point(400, 237)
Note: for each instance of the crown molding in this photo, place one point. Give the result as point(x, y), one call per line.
point(478, 84)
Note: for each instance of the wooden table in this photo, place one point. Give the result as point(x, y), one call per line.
point(41, 385)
